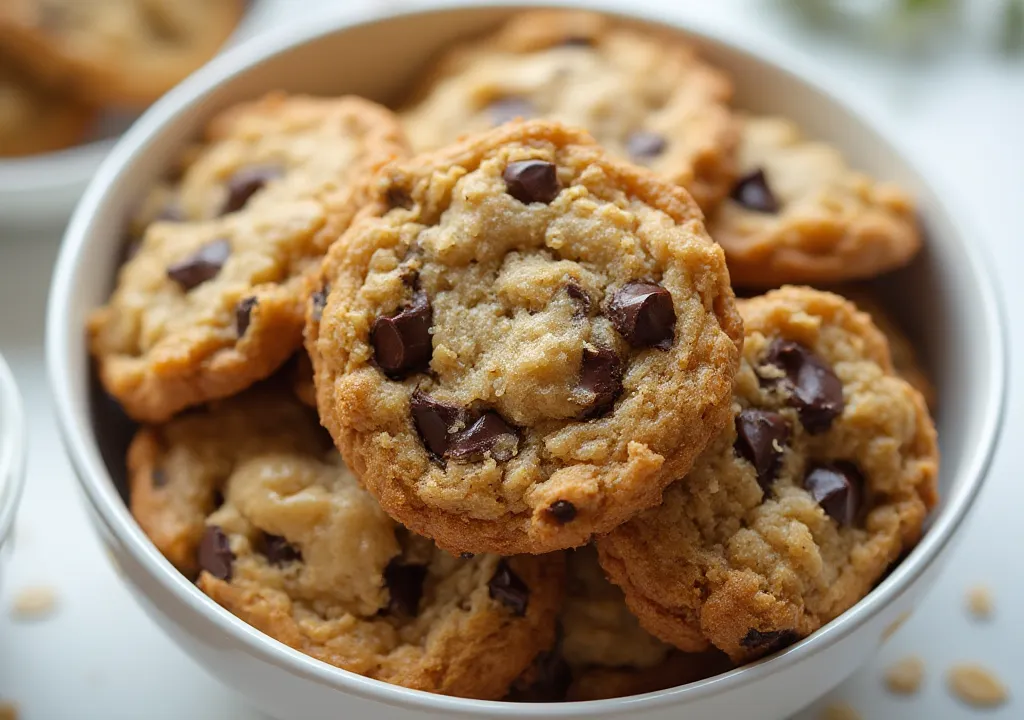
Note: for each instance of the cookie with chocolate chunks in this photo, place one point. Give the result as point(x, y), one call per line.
point(255, 502)
point(795, 512)
point(530, 347)
point(212, 298)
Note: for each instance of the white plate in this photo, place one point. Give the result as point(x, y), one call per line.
point(12, 453)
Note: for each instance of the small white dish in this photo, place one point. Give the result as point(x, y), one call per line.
point(947, 296)
point(12, 455)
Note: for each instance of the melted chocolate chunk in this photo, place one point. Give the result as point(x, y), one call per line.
point(839, 488)
point(562, 511)
point(402, 343)
point(245, 183)
point(508, 588)
point(434, 421)
point(769, 641)
point(510, 107)
point(642, 312)
point(489, 434)
point(752, 192)
point(601, 374)
point(761, 436)
point(531, 181)
point(243, 314)
point(580, 297)
point(814, 389)
point(319, 301)
point(158, 478)
point(644, 145)
point(577, 41)
point(547, 680)
point(405, 587)
point(200, 266)
point(215, 556)
point(279, 551)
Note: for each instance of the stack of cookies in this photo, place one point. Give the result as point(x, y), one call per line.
point(62, 62)
point(561, 460)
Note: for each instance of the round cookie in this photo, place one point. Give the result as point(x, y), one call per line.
point(211, 300)
point(251, 495)
point(794, 513)
point(799, 214)
point(645, 97)
point(35, 119)
point(118, 52)
point(524, 343)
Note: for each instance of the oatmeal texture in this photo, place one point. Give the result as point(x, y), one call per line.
point(793, 514)
point(251, 495)
point(524, 342)
point(645, 97)
point(205, 307)
point(799, 214)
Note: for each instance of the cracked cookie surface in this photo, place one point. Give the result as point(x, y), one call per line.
point(525, 343)
point(212, 299)
point(645, 97)
point(819, 485)
point(251, 496)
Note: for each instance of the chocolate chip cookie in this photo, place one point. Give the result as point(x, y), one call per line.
point(120, 52)
point(251, 495)
point(799, 214)
point(820, 483)
point(212, 299)
point(36, 119)
point(525, 343)
point(646, 98)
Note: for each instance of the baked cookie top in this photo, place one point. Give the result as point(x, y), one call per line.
point(644, 97)
point(212, 298)
point(799, 214)
point(251, 495)
point(524, 343)
point(121, 52)
point(822, 481)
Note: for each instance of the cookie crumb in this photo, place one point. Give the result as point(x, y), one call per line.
point(979, 602)
point(905, 676)
point(895, 625)
point(8, 710)
point(841, 711)
point(976, 686)
point(34, 603)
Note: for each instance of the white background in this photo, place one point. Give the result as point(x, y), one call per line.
point(959, 114)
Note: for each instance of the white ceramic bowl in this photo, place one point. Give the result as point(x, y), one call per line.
point(947, 296)
point(12, 456)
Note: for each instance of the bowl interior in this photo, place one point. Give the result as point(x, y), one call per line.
point(944, 299)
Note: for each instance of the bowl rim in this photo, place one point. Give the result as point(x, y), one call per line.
point(75, 426)
point(12, 449)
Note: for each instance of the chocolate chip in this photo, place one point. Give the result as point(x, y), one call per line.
point(319, 301)
point(761, 436)
point(398, 197)
point(489, 434)
point(243, 313)
point(601, 374)
point(531, 181)
point(278, 550)
point(752, 192)
point(158, 478)
point(510, 107)
point(434, 421)
point(838, 488)
point(245, 183)
point(580, 297)
point(814, 389)
point(547, 680)
point(200, 266)
point(644, 145)
point(466, 556)
point(562, 511)
point(402, 343)
point(578, 41)
point(642, 312)
point(507, 588)
point(215, 556)
point(405, 587)
point(769, 641)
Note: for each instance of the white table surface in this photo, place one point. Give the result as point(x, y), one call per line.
point(959, 115)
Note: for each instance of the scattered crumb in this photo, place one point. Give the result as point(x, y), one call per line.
point(977, 686)
point(979, 602)
point(34, 603)
point(895, 625)
point(8, 710)
point(905, 676)
point(840, 711)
